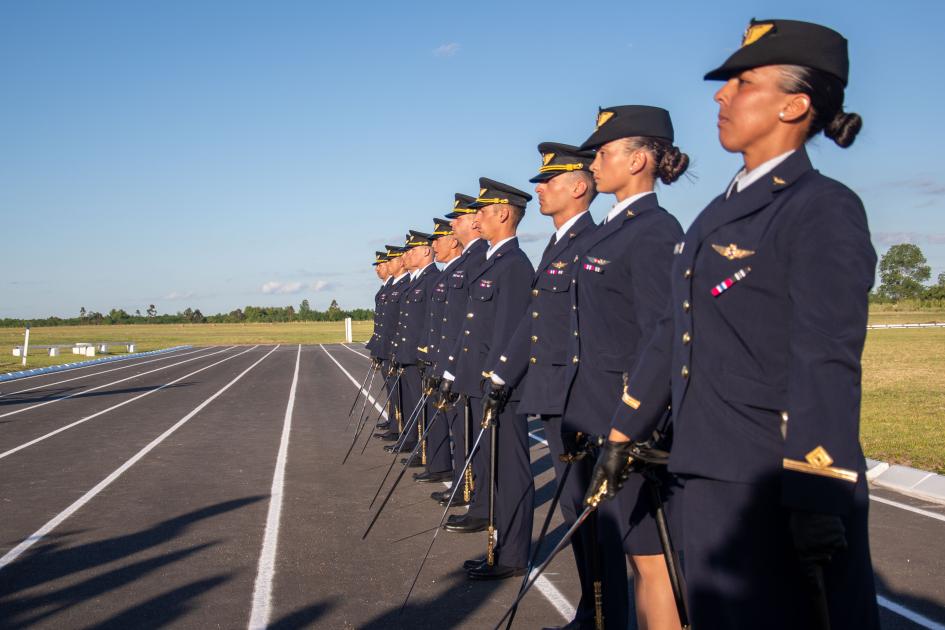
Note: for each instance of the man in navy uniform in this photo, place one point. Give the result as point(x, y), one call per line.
point(447, 249)
point(463, 223)
point(499, 295)
point(410, 325)
point(385, 345)
point(536, 358)
point(380, 268)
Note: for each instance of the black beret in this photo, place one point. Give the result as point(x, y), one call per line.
point(789, 42)
point(493, 192)
point(379, 257)
point(461, 206)
point(417, 239)
point(441, 227)
point(630, 121)
point(559, 158)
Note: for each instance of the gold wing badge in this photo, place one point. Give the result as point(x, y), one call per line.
point(560, 264)
point(732, 251)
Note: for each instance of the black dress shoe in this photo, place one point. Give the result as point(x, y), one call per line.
point(383, 425)
point(440, 496)
point(458, 501)
point(433, 477)
point(455, 518)
point(390, 437)
point(474, 563)
point(468, 525)
point(386, 435)
point(495, 572)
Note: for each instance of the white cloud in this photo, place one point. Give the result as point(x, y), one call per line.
point(446, 50)
point(274, 287)
point(893, 238)
point(179, 295)
point(320, 285)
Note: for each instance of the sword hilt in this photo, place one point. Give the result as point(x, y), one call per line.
point(595, 500)
point(490, 546)
point(598, 606)
point(468, 485)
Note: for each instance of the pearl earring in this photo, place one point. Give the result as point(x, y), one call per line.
point(781, 115)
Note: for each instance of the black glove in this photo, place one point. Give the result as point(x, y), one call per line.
point(446, 397)
point(575, 446)
point(817, 537)
point(494, 402)
point(612, 468)
point(431, 384)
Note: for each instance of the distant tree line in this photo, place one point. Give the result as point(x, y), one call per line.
point(903, 274)
point(248, 315)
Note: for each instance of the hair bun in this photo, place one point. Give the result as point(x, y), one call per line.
point(673, 163)
point(843, 128)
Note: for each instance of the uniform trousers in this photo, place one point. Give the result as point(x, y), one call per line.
point(514, 487)
point(439, 459)
point(741, 570)
point(605, 542)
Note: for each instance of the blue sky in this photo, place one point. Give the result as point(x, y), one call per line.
point(218, 154)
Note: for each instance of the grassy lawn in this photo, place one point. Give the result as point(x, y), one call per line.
point(903, 419)
point(153, 337)
point(891, 314)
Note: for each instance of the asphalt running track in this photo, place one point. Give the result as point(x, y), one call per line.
point(202, 489)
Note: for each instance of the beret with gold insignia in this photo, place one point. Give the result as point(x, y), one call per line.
point(790, 42)
point(559, 158)
point(492, 192)
point(441, 227)
point(461, 206)
point(629, 121)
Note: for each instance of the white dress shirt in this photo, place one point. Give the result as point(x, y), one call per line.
point(744, 179)
point(623, 205)
point(494, 248)
point(469, 244)
point(561, 231)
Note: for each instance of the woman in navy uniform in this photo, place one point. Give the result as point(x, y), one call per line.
point(621, 290)
point(760, 355)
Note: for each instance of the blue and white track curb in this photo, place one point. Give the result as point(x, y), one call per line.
point(12, 376)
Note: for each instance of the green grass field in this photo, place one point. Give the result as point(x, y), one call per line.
point(155, 336)
point(903, 418)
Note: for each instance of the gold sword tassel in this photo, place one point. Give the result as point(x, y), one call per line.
point(490, 547)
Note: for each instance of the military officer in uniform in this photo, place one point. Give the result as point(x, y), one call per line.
point(536, 358)
point(410, 326)
point(759, 355)
point(447, 250)
point(385, 345)
point(463, 223)
point(499, 295)
point(380, 267)
point(621, 290)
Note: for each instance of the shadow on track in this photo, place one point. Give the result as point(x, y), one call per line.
point(57, 560)
point(110, 392)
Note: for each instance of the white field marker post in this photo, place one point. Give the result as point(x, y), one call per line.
point(348, 338)
point(26, 344)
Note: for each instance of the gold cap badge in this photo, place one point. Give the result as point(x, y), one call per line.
point(754, 32)
point(546, 158)
point(603, 117)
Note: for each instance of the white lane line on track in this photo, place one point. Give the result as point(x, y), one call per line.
point(123, 367)
point(121, 404)
point(356, 384)
point(914, 617)
point(122, 380)
point(908, 508)
point(40, 533)
point(266, 571)
point(546, 588)
point(86, 367)
point(360, 354)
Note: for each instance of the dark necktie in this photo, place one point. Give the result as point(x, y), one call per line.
point(551, 243)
